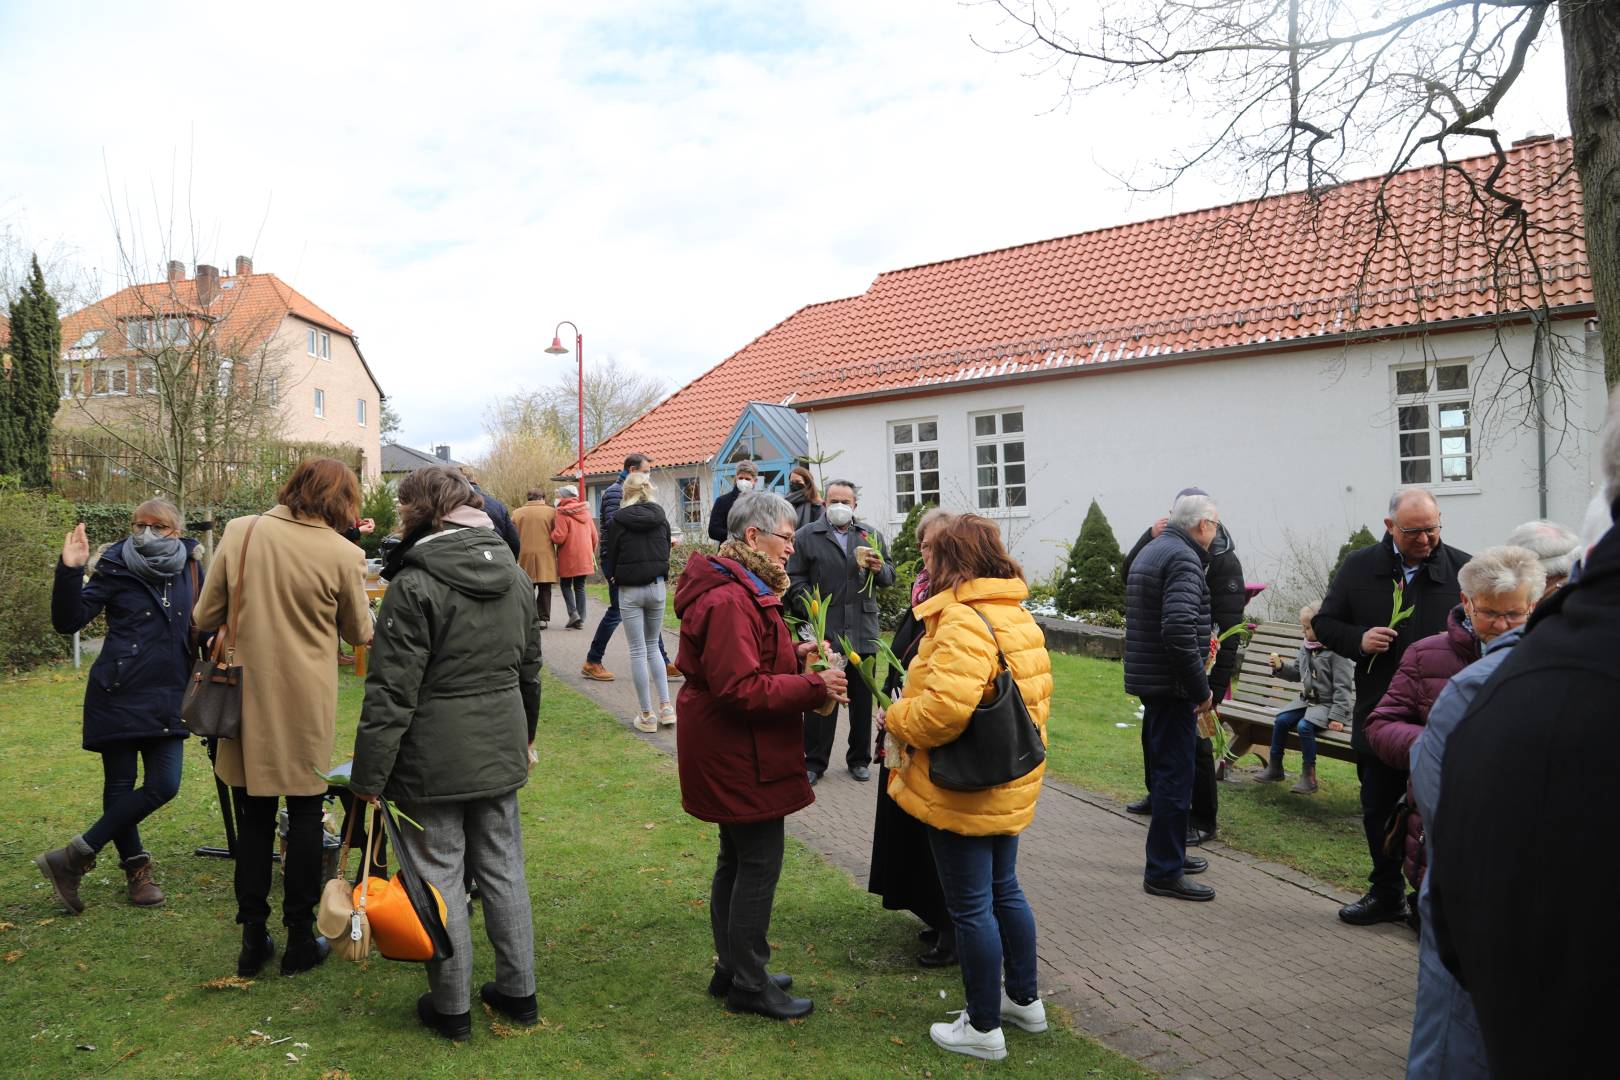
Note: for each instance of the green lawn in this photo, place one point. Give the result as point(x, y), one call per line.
point(619, 878)
point(598, 598)
point(1319, 834)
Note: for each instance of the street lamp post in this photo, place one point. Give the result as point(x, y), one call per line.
point(557, 348)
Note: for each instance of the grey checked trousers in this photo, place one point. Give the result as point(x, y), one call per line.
point(482, 838)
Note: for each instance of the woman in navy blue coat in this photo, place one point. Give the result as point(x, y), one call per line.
point(146, 584)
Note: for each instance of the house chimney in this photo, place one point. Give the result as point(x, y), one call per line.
point(442, 453)
point(244, 265)
point(177, 270)
point(1531, 140)
point(207, 284)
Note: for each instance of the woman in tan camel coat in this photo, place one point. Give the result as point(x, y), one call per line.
point(536, 553)
point(302, 584)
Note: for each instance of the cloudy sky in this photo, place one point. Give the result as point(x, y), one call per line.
point(453, 179)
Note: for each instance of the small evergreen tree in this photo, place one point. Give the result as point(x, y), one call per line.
point(903, 544)
point(1091, 580)
point(36, 342)
point(8, 378)
point(378, 505)
point(907, 558)
point(1359, 539)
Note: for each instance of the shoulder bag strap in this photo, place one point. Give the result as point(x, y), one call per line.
point(993, 639)
point(227, 641)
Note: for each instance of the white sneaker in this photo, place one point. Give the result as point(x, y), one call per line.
point(961, 1037)
point(666, 714)
point(1031, 1017)
point(646, 722)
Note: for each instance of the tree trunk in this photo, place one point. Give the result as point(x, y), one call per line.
point(1591, 43)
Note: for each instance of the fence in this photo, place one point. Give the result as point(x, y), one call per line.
point(94, 467)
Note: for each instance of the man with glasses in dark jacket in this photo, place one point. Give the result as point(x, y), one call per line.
point(1354, 622)
point(1167, 623)
point(1227, 596)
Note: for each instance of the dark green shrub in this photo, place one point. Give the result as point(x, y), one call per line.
point(1091, 581)
point(31, 529)
point(907, 558)
point(1359, 539)
point(378, 505)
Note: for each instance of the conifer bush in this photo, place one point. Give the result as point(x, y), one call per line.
point(1091, 580)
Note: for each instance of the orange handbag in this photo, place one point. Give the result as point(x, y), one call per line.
point(404, 927)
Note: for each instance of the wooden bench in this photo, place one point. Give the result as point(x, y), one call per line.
point(1258, 693)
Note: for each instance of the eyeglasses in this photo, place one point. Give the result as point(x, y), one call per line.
point(1484, 616)
point(786, 538)
point(160, 526)
point(1430, 530)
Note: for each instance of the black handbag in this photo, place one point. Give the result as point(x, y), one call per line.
point(1000, 743)
point(212, 705)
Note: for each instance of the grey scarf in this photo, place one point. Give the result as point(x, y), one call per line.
point(154, 558)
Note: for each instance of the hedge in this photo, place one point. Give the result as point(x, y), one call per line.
point(31, 529)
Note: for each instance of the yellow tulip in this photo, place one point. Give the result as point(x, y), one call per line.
point(855, 658)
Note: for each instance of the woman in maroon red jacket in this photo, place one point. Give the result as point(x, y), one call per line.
point(741, 737)
point(1490, 607)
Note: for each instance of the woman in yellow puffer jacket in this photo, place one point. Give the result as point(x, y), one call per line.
point(974, 834)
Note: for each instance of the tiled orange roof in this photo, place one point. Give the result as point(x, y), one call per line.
point(688, 426)
point(1250, 275)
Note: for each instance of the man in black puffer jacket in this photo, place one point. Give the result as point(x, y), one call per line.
point(1167, 623)
point(1228, 594)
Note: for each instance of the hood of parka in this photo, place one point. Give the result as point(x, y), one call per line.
point(639, 517)
point(474, 562)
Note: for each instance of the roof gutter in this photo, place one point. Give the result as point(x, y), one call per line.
point(1167, 359)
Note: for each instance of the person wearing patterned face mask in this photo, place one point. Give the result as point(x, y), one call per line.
point(145, 584)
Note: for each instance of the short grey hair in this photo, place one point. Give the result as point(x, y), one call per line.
point(1556, 546)
point(1191, 509)
point(1401, 494)
point(759, 510)
point(934, 515)
point(568, 491)
point(826, 488)
point(1497, 571)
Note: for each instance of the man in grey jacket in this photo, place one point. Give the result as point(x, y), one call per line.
point(848, 561)
point(1167, 627)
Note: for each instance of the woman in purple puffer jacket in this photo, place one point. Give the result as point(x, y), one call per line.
point(1397, 720)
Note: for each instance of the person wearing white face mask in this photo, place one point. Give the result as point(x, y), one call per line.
point(848, 561)
point(747, 477)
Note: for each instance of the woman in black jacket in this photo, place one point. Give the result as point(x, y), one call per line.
point(903, 871)
point(635, 557)
point(146, 585)
point(803, 495)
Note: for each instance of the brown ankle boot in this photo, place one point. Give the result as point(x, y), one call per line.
point(143, 891)
point(64, 868)
point(1273, 773)
point(1307, 782)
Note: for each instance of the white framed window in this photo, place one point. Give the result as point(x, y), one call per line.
point(224, 378)
point(146, 379)
point(324, 345)
point(70, 382)
point(360, 411)
point(310, 342)
point(1434, 421)
point(914, 459)
point(272, 390)
point(156, 333)
point(320, 403)
point(999, 476)
point(109, 380)
point(691, 489)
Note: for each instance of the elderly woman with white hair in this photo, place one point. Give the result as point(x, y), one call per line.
point(574, 533)
point(1501, 586)
point(1556, 547)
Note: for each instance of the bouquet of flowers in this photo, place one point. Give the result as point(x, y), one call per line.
point(813, 628)
point(1212, 722)
point(874, 543)
point(1397, 614)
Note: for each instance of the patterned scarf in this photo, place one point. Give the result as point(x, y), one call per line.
point(763, 566)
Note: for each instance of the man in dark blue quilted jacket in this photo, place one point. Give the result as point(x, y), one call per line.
point(1167, 627)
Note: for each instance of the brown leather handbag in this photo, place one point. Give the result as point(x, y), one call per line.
point(212, 706)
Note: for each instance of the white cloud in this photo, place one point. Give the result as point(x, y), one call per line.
point(673, 177)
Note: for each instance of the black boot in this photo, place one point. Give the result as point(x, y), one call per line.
point(257, 949)
point(457, 1028)
point(1144, 805)
point(773, 1002)
point(521, 1010)
point(1374, 908)
point(305, 950)
point(720, 983)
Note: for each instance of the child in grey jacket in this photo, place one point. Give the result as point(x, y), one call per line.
point(1326, 698)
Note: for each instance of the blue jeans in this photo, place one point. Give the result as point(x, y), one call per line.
point(1172, 731)
point(995, 929)
point(123, 805)
point(1293, 720)
point(643, 608)
point(610, 623)
point(573, 594)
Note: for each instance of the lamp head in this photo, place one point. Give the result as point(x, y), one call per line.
point(557, 348)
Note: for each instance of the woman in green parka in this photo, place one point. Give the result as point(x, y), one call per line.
point(452, 699)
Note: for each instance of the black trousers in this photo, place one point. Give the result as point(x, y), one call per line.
point(1205, 800)
point(1381, 788)
point(301, 865)
point(741, 898)
point(819, 731)
point(1172, 725)
point(542, 601)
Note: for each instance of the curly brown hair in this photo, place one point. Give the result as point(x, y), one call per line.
point(324, 489)
point(431, 492)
